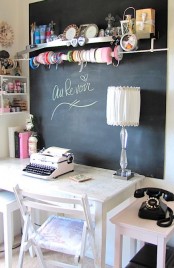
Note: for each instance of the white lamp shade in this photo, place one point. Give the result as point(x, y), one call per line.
point(123, 106)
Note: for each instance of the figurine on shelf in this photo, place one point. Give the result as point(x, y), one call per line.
point(33, 27)
point(18, 70)
point(110, 29)
point(52, 28)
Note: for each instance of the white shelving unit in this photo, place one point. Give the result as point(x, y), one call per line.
point(14, 94)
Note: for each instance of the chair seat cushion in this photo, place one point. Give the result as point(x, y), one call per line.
point(60, 234)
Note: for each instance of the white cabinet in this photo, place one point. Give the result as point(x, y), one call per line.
point(14, 94)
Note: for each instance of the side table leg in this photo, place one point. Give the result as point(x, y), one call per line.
point(161, 253)
point(133, 247)
point(118, 248)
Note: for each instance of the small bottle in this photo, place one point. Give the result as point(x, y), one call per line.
point(48, 33)
point(42, 30)
point(32, 144)
point(37, 36)
point(5, 85)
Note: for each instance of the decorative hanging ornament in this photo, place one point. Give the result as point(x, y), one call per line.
point(6, 34)
point(128, 25)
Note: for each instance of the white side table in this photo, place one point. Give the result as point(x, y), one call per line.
point(128, 223)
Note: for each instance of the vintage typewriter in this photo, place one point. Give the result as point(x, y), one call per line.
point(50, 163)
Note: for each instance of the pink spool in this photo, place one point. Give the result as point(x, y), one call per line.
point(106, 55)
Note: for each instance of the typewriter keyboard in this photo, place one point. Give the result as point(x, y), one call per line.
point(39, 169)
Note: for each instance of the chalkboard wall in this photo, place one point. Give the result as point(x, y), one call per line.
point(78, 120)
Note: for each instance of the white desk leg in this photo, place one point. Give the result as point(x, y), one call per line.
point(100, 234)
point(8, 232)
point(118, 248)
point(161, 253)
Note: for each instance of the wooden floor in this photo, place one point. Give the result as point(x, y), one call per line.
point(32, 262)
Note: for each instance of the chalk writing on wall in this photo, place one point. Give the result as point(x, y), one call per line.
point(60, 95)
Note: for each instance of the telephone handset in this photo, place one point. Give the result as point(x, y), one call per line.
point(153, 208)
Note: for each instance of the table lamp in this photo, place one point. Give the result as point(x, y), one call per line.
point(123, 109)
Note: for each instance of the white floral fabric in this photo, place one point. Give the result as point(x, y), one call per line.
point(60, 234)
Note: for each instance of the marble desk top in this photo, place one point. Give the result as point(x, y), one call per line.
point(102, 186)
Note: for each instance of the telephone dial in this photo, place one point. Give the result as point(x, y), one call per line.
point(154, 208)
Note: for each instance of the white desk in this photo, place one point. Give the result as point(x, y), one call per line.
point(104, 192)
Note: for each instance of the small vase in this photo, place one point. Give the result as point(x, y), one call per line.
point(32, 143)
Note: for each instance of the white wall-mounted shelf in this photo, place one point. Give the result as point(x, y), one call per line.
point(106, 39)
point(60, 43)
point(13, 113)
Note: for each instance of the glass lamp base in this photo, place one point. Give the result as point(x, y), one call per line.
point(124, 174)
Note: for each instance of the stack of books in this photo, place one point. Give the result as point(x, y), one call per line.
point(18, 142)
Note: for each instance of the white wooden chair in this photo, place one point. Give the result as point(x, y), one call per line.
point(66, 234)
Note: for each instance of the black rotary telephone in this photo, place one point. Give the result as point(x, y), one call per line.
point(153, 208)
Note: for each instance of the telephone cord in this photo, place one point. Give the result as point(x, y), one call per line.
point(167, 221)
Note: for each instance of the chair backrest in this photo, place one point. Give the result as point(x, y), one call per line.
point(73, 206)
